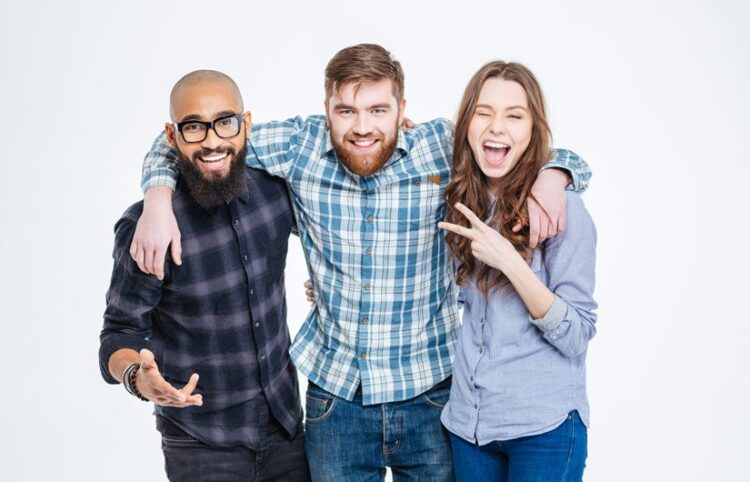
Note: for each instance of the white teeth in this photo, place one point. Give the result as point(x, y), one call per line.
point(496, 145)
point(214, 158)
point(365, 143)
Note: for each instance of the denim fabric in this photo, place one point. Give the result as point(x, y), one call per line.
point(555, 456)
point(354, 442)
point(187, 459)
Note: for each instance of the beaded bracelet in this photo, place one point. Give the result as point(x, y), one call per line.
point(128, 381)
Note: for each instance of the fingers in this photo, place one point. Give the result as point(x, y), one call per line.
point(138, 255)
point(158, 268)
point(455, 228)
point(309, 293)
point(148, 261)
point(473, 219)
point(533, 228)
point(517, 227)
point(177, 249)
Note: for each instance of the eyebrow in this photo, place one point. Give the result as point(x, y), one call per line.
point(200, 118)
point(383, 105)
point(487, 106)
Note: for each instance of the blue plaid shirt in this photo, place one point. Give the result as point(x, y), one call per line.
point(221, 314)
point(386, 312)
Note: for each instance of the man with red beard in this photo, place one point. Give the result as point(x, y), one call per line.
point(377, 345)
point(221, 314)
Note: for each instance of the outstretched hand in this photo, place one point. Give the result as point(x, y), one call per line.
point(152, 385)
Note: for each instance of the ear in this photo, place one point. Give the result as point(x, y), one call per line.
point(170, 131)
point(247, 119)
point(401, 111)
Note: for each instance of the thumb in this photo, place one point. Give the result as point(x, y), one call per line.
point(147, 360)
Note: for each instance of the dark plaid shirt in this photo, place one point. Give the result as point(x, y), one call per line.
point(221, 314)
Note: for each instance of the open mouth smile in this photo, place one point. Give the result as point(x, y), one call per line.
point(495, 153)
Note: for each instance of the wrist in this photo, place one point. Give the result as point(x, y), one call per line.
point(129, 381)
point(158, 195)
point(559, 178)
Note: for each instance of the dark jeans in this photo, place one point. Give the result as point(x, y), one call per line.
point(557, 455)
point(189, 460)
point(349, 442)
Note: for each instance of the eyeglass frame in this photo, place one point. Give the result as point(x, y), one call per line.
point(209, 125)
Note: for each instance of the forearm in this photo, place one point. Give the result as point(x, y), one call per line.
point(535, 295)
point(120, 360)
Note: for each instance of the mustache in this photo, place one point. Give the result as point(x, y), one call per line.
point(208, 152)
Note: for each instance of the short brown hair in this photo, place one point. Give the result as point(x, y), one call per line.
point(363, 63)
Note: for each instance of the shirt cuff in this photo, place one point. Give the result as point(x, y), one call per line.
point(111, 344)
point(554, 316)
point(159, 177)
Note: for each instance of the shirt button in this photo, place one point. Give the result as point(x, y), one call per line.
point(365, 321)
point(370, 218)
point(244, 257)
point(236, 222)
point(262, 356)
point(367, 287)
point(471, 379)
point(476, 405)
point(481, 350)
point(368, 251)
point(481, 321)
point(363, 356)
point(265, 388)
point(417, 182)
point(257, 324)
point(252, 291)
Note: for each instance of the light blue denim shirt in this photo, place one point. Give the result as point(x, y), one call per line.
point(516, 376)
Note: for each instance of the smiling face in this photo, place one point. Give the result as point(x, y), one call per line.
point(500, 128)
point(207, 101)
point(364, 120)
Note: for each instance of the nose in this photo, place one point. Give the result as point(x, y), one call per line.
point(362, 126)
point(497, 126)
point(212, 141)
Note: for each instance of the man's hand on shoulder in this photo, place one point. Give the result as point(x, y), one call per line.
point(156, 230)
point(546, 206)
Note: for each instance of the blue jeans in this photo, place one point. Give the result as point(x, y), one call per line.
point(189, 460)
point(348, 441)
point(555, 456)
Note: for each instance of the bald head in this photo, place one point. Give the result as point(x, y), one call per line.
point(199, 81)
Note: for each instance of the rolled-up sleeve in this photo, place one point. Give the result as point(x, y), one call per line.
point(570, 260)
point(131, 299)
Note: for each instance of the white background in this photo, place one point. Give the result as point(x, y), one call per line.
point(652, 94)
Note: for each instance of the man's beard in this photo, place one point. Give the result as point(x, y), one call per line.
point(367, 164)
point(210, 193)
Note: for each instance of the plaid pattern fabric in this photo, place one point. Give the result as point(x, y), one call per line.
point(386, 313)
point(221, 314)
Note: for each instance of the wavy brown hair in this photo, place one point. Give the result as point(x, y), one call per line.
point(470, 186)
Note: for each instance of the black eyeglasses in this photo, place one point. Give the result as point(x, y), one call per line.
point(194, 131)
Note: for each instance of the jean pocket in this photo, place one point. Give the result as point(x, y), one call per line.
point(437, 398)
point(318, 406)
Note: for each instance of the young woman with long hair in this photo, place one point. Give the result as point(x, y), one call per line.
point(518, 409)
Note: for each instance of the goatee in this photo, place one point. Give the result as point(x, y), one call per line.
point(365, 165)
point(210, 193)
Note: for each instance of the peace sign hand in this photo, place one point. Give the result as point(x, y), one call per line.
point(487, 245)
